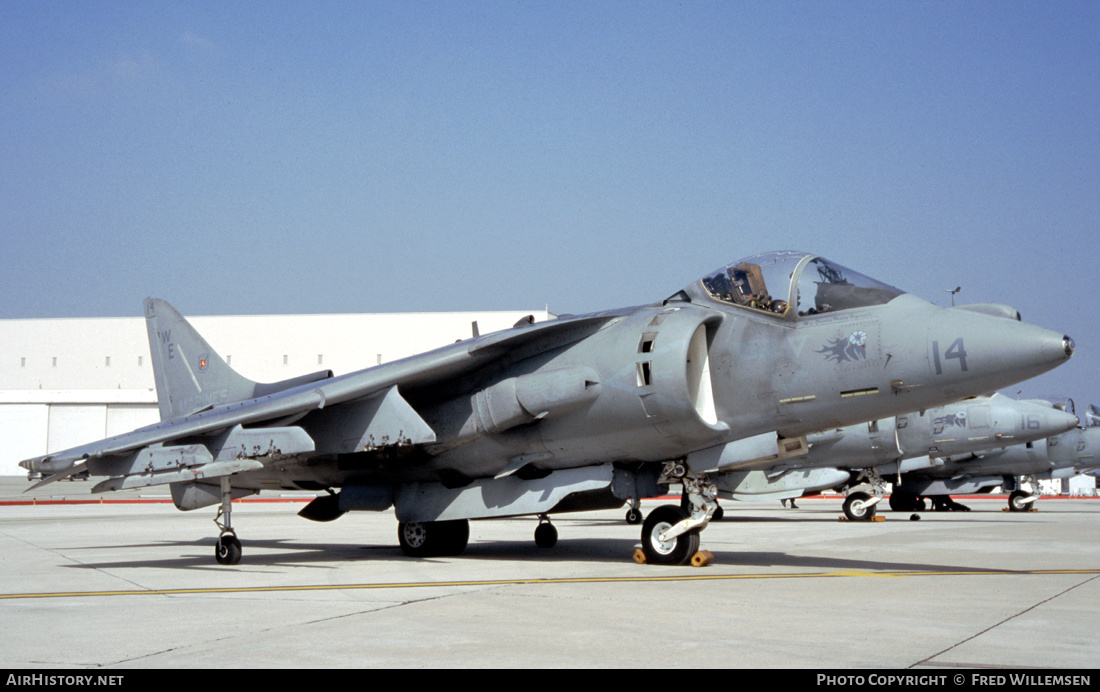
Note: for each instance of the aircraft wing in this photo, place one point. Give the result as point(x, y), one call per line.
point(280, 407)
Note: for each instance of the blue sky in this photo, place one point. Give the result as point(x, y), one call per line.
point(242, 158)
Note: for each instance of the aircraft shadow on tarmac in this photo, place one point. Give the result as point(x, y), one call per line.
point(286, 553)
point(260, 553)
point(831, 517)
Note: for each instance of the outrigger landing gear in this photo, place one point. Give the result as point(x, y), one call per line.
point(670, 534)
point(546, 536)
point(228, 549)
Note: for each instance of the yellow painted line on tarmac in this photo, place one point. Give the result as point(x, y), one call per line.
point(548, 581)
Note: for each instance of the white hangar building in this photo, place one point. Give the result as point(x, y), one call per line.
point(65, 382)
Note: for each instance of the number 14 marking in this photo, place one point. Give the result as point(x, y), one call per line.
point(956, 350)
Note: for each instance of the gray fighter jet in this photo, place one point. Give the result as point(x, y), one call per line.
point(576, 413)
point(1017, 469)
point(858, 457)
point(1092, 419)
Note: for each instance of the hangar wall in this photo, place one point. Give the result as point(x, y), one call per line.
point(65, 382)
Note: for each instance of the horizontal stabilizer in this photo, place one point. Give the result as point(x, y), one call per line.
point(265, 388)
point(71, 471)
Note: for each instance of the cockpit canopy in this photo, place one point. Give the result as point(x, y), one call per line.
point(775, 281)
point(1092, 416)
point(1063, 403)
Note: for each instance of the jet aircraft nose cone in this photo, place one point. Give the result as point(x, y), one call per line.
point(1043, 347)
point(975, 350)
point(1062, 421)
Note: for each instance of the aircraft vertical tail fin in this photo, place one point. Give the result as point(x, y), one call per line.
point(189, 374)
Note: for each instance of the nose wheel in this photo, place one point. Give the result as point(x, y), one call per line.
point(860, 506)
point(862, 500)
point(670, 534)
point(1019, 501)
point(659, 543)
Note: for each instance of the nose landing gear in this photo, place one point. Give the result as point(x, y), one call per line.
point(670, 534)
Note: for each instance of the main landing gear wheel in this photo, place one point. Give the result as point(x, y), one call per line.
point(228, 550)
point(674, 551)
point(856, 507)
point(433, 538)
point(901, 501)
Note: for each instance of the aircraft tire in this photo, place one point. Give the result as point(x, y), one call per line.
point(433, 538)
point(1016, 501)
point(633, 516)
point(901, 501)
point(546, 536)
point(228, 550)
point(679, 550)
point(857, 512)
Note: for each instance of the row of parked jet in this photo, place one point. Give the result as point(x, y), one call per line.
point(777, 370)
point(916, 461)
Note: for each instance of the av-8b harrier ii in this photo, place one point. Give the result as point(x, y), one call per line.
point(859, 459)
point(576, 413)
point(1017, 469)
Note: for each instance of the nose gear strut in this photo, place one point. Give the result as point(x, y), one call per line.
point(670, 534)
